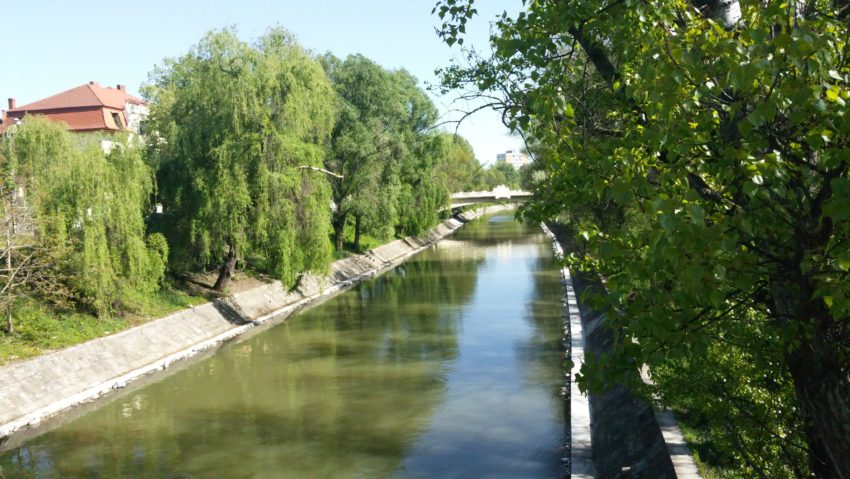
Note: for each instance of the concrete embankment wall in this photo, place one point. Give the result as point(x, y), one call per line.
point(35, 389)
point(626, 438)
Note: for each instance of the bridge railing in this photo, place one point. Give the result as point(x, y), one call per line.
point(499, 192)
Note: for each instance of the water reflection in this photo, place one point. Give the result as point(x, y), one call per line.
point(447, 366)
point(502, 416)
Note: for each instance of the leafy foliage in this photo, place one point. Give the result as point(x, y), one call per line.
point(422, 194)
point(231, 126)
point(701, 160)
point(88, 210)
point(381, 147)
point(458, 167)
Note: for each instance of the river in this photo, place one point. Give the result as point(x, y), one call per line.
point(450, 365)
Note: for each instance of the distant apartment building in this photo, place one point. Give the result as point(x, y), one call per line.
point(513, 158)
point(86, 108)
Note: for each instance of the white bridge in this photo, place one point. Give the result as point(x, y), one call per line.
point(500, 194)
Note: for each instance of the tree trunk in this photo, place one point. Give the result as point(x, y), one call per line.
point(824, 398)
point(820, 382)
point(339, 230)
point(8, 212)
point(226, 270)
point(357, 233)
point(10, 326)
point(725, 12)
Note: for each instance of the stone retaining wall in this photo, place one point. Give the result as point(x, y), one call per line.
point(626, 439)
point(38, 388)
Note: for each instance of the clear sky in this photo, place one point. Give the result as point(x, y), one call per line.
point(54, 45)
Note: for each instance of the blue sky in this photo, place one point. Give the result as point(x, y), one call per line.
point(53, 45)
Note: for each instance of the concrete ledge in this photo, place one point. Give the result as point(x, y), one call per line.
point(626, 437)
point(41, 387)
point(580, 463)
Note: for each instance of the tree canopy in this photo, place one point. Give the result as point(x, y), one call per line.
point(231, 127)
point(459, 166)
point(381, 147)
point(87, 211)
point(699, 153)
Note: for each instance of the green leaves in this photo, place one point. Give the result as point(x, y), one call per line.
point(696, 166)
point(459, 12)
point(833, 94)
point(232, 125)
point(838, 206)
point(90, 210)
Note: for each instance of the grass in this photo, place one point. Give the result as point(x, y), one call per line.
point(165, 301)
point(41, 328)
point(366, 243)
point(712, 464)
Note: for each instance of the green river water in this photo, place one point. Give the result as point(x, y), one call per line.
point(447, 366)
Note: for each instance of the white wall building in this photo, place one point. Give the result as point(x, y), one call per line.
point(513, 158)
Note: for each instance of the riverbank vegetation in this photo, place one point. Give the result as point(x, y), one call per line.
point(699, 153)
point(258, 157)
point(78, 259)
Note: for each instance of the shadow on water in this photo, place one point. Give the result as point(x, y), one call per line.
point(428, 370)
point(543, 354)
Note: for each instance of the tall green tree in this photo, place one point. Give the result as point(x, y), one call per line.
point(87, 211)
point(510, 173)
point(488, 177)
point(699, 150)
point(382, 117)
point(362, 145)
point(236, 137)
point(423, 193)
point(458, 166)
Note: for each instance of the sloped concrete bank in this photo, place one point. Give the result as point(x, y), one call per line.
point(36, 389)
point(621, 437)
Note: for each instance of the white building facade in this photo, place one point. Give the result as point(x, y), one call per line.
point(513, 158)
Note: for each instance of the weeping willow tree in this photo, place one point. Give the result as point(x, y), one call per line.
point(87, 210)
point(22, 260)
point(236, 131)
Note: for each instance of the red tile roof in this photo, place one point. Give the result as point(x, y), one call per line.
point(86, 107)
point(88, 95)
point(81, 120)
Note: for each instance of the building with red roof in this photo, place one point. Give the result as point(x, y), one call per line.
point(86, 108)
